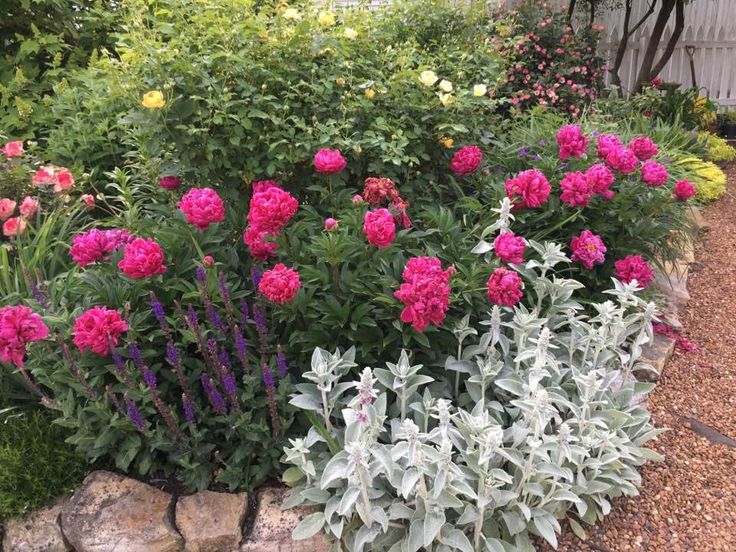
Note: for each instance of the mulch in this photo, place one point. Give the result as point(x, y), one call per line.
point(688, 501)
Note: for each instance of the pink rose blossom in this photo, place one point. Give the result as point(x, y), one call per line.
point(653, 174)
point(634, 267)
point(142, 258)
point(425, 292)
point(588, 249)
point(28, 207)
point(378, 190)
point(357, 199)
point(329, 161)
point(600, 179)
point(606, 144)
point(576, 190)
point(208, 260)
point(271, 209)
point(260, 243)
point(623, 160)
point(96, 245)
point(169, 182)
point(509, 247)
point(466, 160)
point(572, 142)
point(643, 148)
point(280, 284)
point(98, 329)
point(61, 178)
point(88, 200)
point(330, 224)
point(684, 190)
point(14, 227)
point(19, 325)
point(379, 227)
point(202, 207)
point(529, 188)
point(7, 208)
point(504, 287)
point(12, 149)
point(263, 185)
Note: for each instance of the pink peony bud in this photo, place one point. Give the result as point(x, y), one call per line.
point(88, 200)
point(208, 260)
point(169, 182)
point(330, 224)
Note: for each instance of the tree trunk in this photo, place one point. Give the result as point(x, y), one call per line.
point(592, 12)
point(646, 72)
point(676, 34)
point(571, 10)
point(627, 34)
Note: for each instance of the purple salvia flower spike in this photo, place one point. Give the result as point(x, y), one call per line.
point(134, 415)
point(188, 409)
point(201, 275)
point(149, 377)
point(215, 319)
point(135, 354)
point(225, 360)
point(244, 313)
point(172, 354)
point(241, 348)
point(159, 313)
point(218, 403)
point(281, 364)
point(256, 274)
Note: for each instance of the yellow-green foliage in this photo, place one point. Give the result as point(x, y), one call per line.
point(719, 151)
point(708, 178)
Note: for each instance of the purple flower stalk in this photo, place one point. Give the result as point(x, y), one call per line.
point(215, 320)
point(113, 399)
point(159, 313)
point(192, 318)
point(243, 313)
point(523, 152)
point(216, 400)
point(256, 274)
point(225, 360)
point(134, 415)
point(172, 354)
point(135, 354)
point(188, 409)
point(241, 348)
point(38, 295)
point(149, 377)
point(201, 275)
point(268, 377)
point(281, 363)
point(271, 396)
point(259, 317)
point(119, 362)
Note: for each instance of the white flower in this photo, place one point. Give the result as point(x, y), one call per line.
point(428, 78)
point(445, 86)
point(292, 13)
point(480, 90)
point(350, 33)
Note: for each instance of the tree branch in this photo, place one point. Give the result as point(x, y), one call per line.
point(676, 34)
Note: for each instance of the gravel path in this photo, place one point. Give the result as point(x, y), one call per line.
point(688, 502)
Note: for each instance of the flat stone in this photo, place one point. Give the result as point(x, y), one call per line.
point(695, 215)
point(674, 287)
point(211, 522)
point(272, 526)
point(37, 532)
point(657, 354)
point(112, 513)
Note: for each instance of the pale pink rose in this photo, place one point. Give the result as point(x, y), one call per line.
point(28, 207)
point(14, 226)
point(12, 149)
point(88, 200)
point(7, 208)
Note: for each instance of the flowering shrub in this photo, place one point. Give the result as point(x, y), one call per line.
point(407, 457)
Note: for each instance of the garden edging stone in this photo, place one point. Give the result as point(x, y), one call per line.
point(210, 521)
point(37, 532)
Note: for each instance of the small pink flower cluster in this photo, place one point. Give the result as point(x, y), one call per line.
point(572, 142)
point(19, 326)
point(12, 149)
point(280, 284)
point(529, 188)
point(379, 227)
point(61, 178)
point(684, 190)
point(142, 258)
point(634, 267)
point(329, 161)
point(14, 226)
point(97, 245)
point(425, 292)
point(202, 207)
point(653, 174)
point(271, 208)
point(466, 160)
point(98, 329)
point(509, 247)
point(588, 249)
point(504, 287)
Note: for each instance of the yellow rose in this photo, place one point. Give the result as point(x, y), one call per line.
point(480, 90)
point(340, 81)
point(428, 78)
point(446, 99)
point(445, 86)
point(326, 19)
point(292, 14)
point(154, 99)
point(447, 142)
point(358, 150)
point(369, 93)
point(350, 33)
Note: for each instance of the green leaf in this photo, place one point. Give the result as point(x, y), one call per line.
point(309, 526)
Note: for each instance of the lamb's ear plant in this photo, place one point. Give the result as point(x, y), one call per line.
point(536, 417)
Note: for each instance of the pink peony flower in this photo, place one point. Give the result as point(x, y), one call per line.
point(271, 209)
point(656, 81)
point(28, 207)
point(12, 149)
point(576, 190)
point(684, 190)
point(142, 259)
point(623, 160)
point(504, 287)
point(572, 142)
point(425, 292)
point(19, 325)
point(377, 190)
point(7, 208)
point(263, 185)
point(330, 224)
point(96, 245)
point(600, 179)
point(14, 227)
point(643, 148)
point(329, 161)
point(280, 284)
point(260, 243)
point(653, 174)
point(634, 267)
point(466, 160)
point(588, 249)
point(98, 329)
point(202, 207)
point(169, 182)
point(529, 188)
point(61, 178)
point(509, 248)
point(606, 144)
point(379, 227)
point(88, 200)
point(357, 199)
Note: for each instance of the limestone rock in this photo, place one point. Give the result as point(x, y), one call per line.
point(272, 526)
point(673, 287)
point(110, 512)
point(656, 355)
point(211, 522)
point(36, 532)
